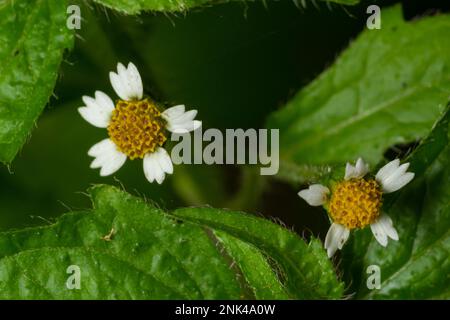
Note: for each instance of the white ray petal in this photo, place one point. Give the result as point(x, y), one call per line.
point(335, 239)
point(104, 101)
point(187, 116)
point(386, 223)
point(179, 121)
point(97, 110)
point(150, 167)
point(399, 183)
point(315, 195)
point(358, 171)
point(164, 160)
point(121, 70)
point(393, 176)
point(157, 165)
point(107, 157)
point(120, 88)
point(387, 170)
point(185, 127)
point(95, 117)
point(127, 82)
point(173, 112)
point(134, 78)
point(379, 233)
point(159, 172)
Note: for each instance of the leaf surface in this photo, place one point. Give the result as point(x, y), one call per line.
point(154, 255)
point(137, 6)
point(32, 42)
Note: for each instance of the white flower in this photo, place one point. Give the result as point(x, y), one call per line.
point(135, 125)
point(356, 202)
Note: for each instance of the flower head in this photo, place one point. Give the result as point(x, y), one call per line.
point(137, 128)
point(356, 202)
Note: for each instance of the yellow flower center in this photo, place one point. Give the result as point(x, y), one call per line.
point(136, 127)
point(355, 203)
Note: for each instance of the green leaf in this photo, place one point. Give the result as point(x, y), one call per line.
point(430, 148)
point(258, 273)
point(33, 38)
point(417, 266)
point(304, 265)
point(154, 255)
point(387, 88)
point(137, 6)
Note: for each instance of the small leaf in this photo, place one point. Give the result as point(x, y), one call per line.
point(387, 88)
point(33, 38)
point(417, 266)
point(128, 249)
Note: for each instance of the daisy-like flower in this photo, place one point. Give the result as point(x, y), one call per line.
point(135, 125)
point(356, 202)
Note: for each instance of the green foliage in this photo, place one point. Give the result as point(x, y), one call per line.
point(387, 88)
point(33, 38)
point(305, 266)
point(154, 255)
point(137, 6)
point(417, 266)
point(256, 269)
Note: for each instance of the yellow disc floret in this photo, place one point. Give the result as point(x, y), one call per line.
point(355, 203)
point(136, 127)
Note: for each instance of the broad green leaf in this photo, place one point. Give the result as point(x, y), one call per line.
point(417, 266)
point(155, 255)
point(387, 88)
point(137, 6)
point(32, 42)
point(304, 265)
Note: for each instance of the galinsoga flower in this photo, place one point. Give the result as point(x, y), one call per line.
point(135, 125)
point(356, 202)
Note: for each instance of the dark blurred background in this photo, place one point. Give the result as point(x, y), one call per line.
point(234, 62)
